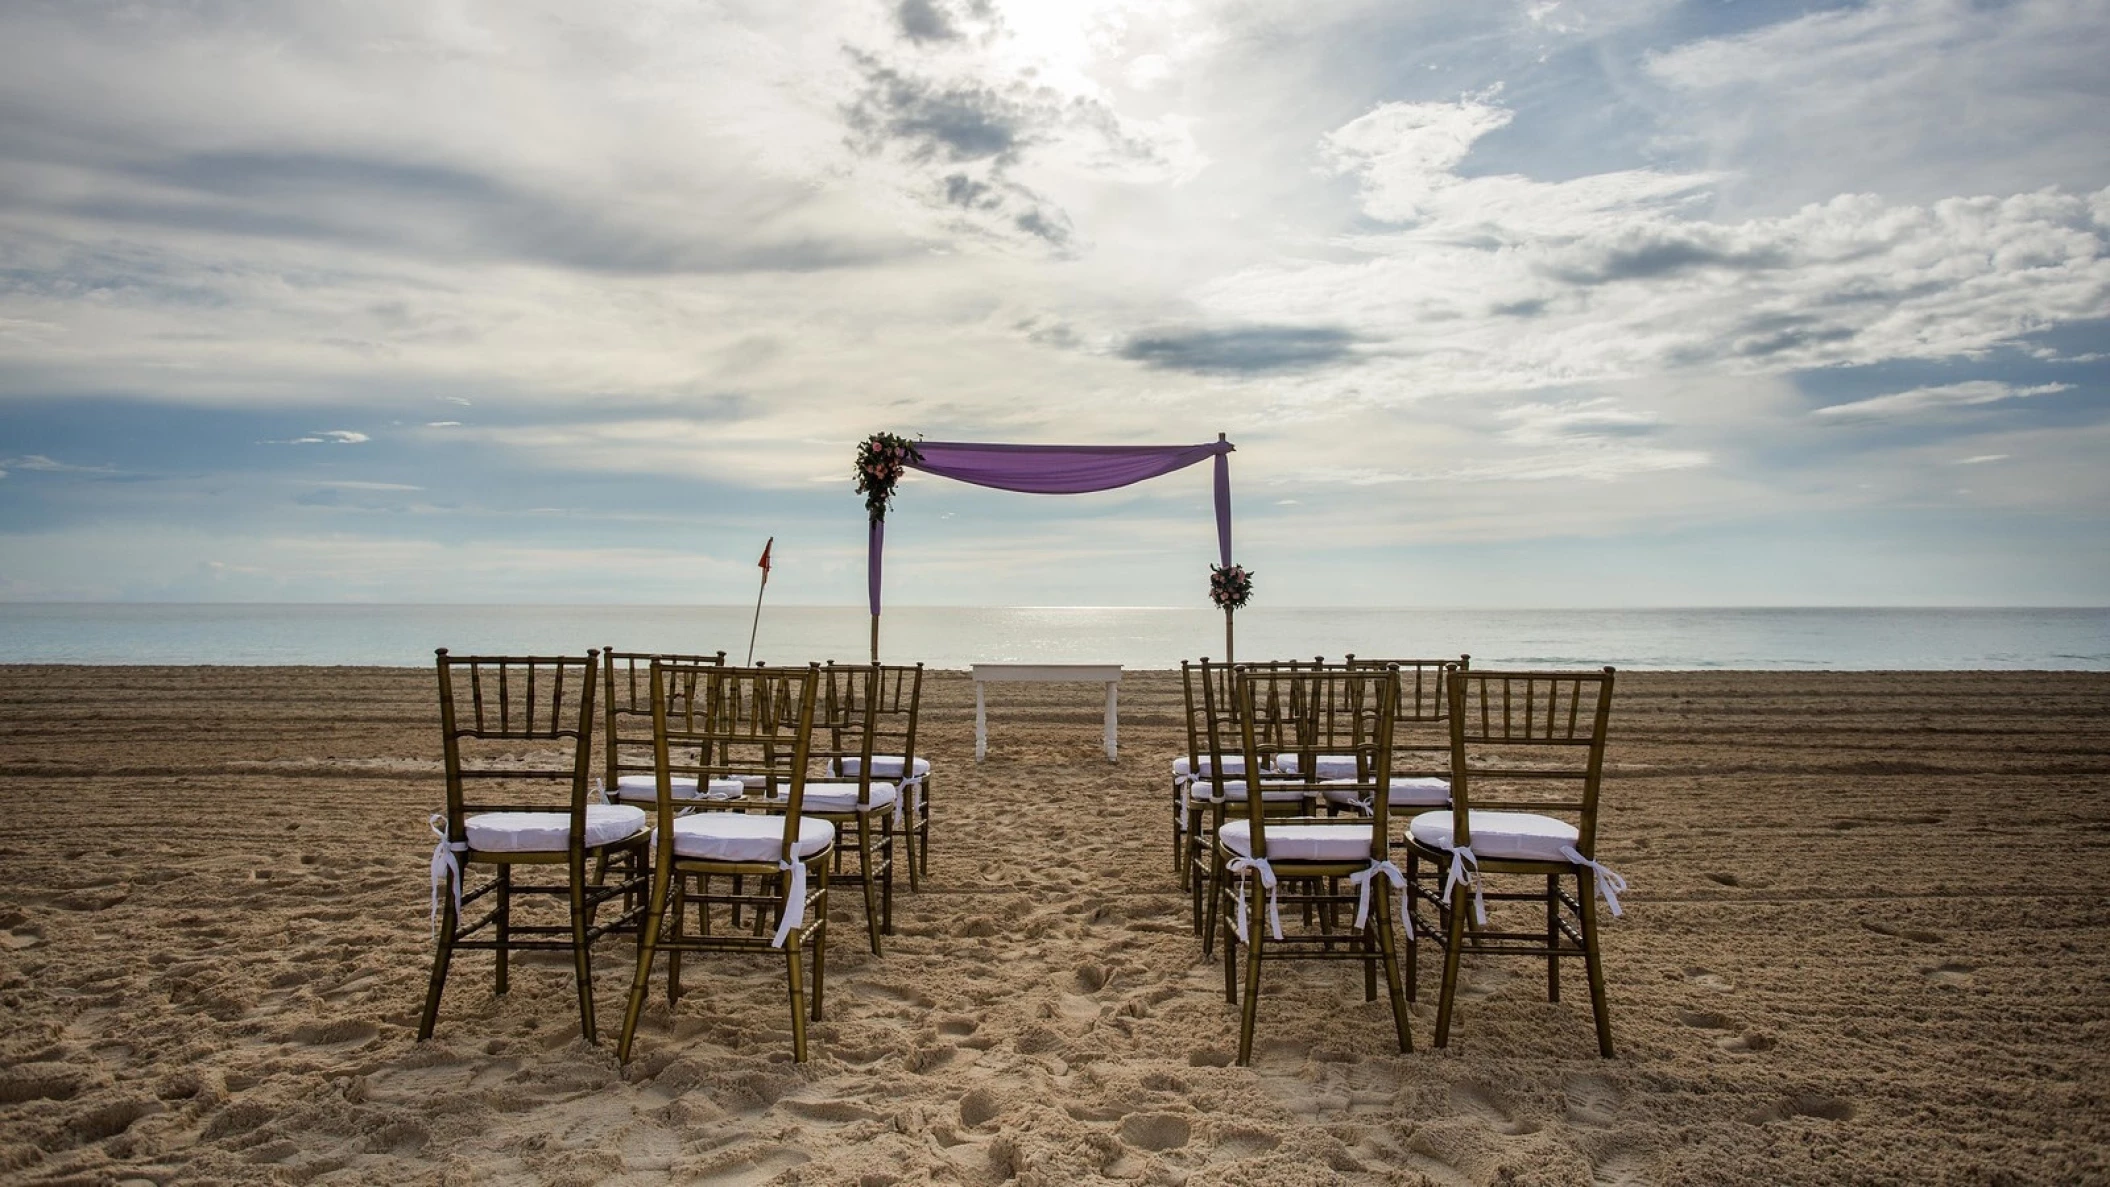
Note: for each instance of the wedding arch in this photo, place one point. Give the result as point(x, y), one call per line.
point(1044, 470)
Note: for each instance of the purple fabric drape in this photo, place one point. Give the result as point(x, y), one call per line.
point(1060, 470)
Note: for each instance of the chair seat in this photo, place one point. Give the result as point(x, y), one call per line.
point(1408, 791)
point(842, 797)
point(746, 836)
point(1330, 766)
point(1300, 842)
point(1234, 792)
point(550, 832)
point(645, 788)
point(1510, 836)
point(884, 766)
point(1234, 764)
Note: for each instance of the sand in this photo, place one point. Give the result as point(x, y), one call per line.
point(1868, 939)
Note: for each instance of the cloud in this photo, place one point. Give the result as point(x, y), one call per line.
point(1981, 459)
point(1243, 350)
point(38, 463)
point(1920, 402)
point(326, 437)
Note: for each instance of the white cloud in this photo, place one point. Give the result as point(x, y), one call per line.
point(326, 437)
point(1920, 401)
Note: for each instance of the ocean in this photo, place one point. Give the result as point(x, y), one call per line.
point(952, 637)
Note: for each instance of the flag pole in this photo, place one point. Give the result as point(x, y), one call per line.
point(764, 563)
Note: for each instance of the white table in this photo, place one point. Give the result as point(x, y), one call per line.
point(1107, 674)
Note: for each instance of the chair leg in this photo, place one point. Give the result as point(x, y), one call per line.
point(793, 944)
point(1370, 953)
point(1387, 942)
point(820, 942)
point(582, 949)
point(1454, 929)
point(886, 876)
point(677, 925)
point(1592, 962)
point(923, 824)
point(1553, 937)
point(654, 911)
point(913, 804)
point(504, 926)
point(1257, 912)
point(870, 878)
point(1413, 949)
point(442, 957)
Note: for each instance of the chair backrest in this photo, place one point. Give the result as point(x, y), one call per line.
point(897, 704)
point(1421, 684)
point(1529, 742)
point(513, 725)
point(1323, 709)
point(1206, 686)
point(710, 721)
point(626, 716)
point(845, 719)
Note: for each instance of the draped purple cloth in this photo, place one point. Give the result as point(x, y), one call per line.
point(1060, 470)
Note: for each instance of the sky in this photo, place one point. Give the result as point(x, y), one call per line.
point(1635, 303)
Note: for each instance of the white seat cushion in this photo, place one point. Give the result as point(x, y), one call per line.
point(746, 836)
point(1300, 842)
point(842, 797)
point(1234, 792)
point(1408, 791)
point(1516, 836)
point(645, 788)
point(547, 832)
point(1234, 764)
point(884, 766)
point(1331, 766)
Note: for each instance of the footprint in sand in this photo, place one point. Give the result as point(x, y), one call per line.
point(1234, 1144)
point(1916, 935)
point(1740, 881)
point(1593, 1101)
point(1748, 1043)
point(1156, 1131)
point(1707, 978)
point(1487, 1104)
point(1619, 1168)
point(26, 936)
point(1705, 1020)
point(1819, 1108)
point(1953, 974)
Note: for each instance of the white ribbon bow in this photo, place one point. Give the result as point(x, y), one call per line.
point(1368, 878)
point(1242, 866)
point(1461, 858)
point(1609, 884)
point(445, 867)
point(600, 791)
point(794, 901)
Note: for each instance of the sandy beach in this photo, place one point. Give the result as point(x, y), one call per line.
point(1867, 940)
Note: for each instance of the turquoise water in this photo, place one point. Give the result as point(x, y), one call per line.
point(953, 637)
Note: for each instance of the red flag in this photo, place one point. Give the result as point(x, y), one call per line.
point(764, 562)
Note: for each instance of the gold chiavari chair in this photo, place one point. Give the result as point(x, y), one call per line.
point(626, 734)
point(896, 709)
point(1524, 746)
point(843, 738)
point(1336, 710)
point(511, 726)
point(1198, 765)
point(1421, 740)
point(747, 725)
point(1222, 789)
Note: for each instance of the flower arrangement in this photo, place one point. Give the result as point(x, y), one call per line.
point(881, 458)
point(1230, 586)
